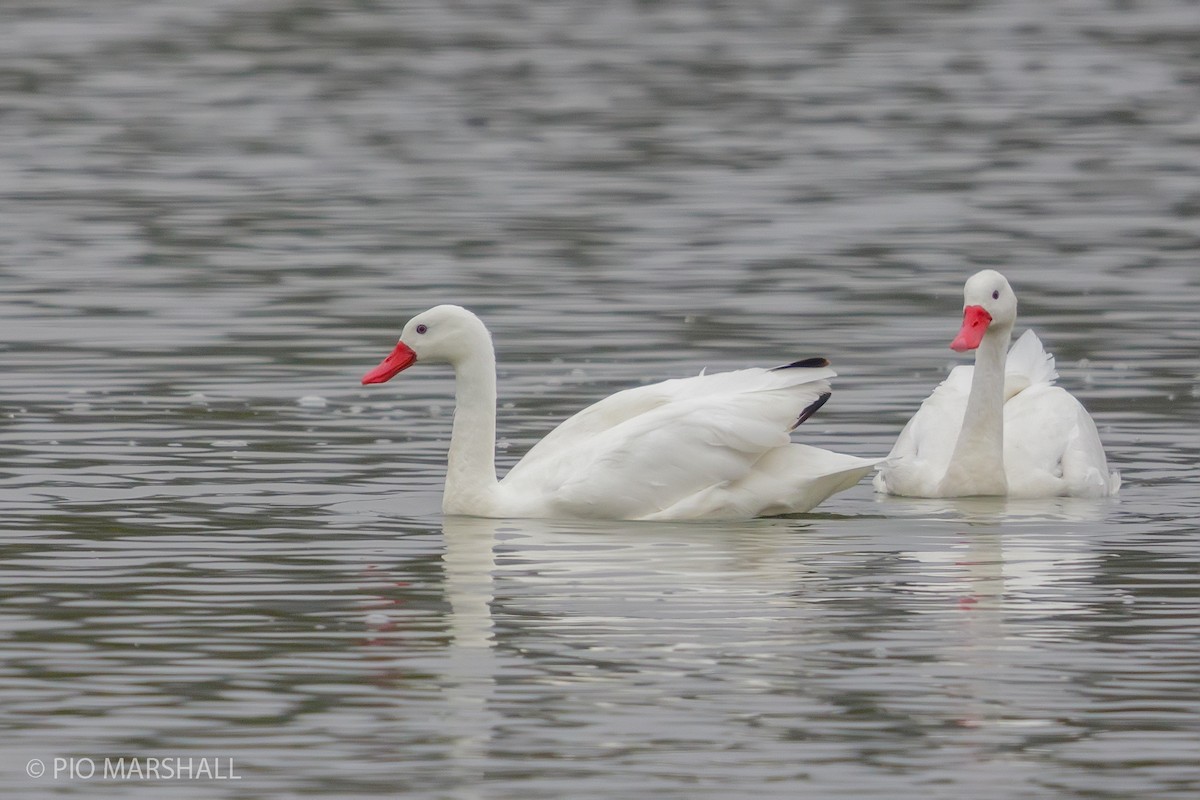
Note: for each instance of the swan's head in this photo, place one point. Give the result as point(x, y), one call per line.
point(443, 334)
point(988, 303)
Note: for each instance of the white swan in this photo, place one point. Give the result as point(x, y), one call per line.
point(1001, 427)
point(711, 447)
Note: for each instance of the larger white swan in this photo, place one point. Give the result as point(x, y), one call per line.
point(1001, 427)
point(709, 447)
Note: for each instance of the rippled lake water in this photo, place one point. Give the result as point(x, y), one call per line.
point(215, 216)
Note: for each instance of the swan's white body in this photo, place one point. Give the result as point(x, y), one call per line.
point(1001, 427)
point(708, 447)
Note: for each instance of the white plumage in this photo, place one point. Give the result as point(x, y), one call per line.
point(1001, 426)
point(709, 447)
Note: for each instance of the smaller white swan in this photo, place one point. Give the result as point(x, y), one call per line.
point(1001, 427)
point(709, 447)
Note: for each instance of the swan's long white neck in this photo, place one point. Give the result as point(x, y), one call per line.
point(471, 469)
point(977, 466)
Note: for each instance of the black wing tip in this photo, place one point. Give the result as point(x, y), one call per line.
point(812, 408)
point(805, 363)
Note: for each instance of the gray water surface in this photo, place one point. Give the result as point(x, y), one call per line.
point(215, 216)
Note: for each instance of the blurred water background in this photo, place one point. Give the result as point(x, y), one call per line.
point(216, 215)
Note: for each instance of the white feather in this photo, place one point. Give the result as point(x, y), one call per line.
point(709, 447)
point(1050, 443)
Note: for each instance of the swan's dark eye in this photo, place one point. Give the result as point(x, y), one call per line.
point(995, 296)
point(422, 328)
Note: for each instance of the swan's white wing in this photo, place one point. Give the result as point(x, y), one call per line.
point(1028, 364)
point(1051, 447)
point(786, 480)
point(661, 458)
point(1085, 467)
point(599, 418)
point(636, 455)
point(922, 451)
point(1027, 357)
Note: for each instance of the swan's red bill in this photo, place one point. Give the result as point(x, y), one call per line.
point(975, 325)
point(397, 361)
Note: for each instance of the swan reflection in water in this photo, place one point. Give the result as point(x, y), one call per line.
point(1010, 580)
point(580, 614)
